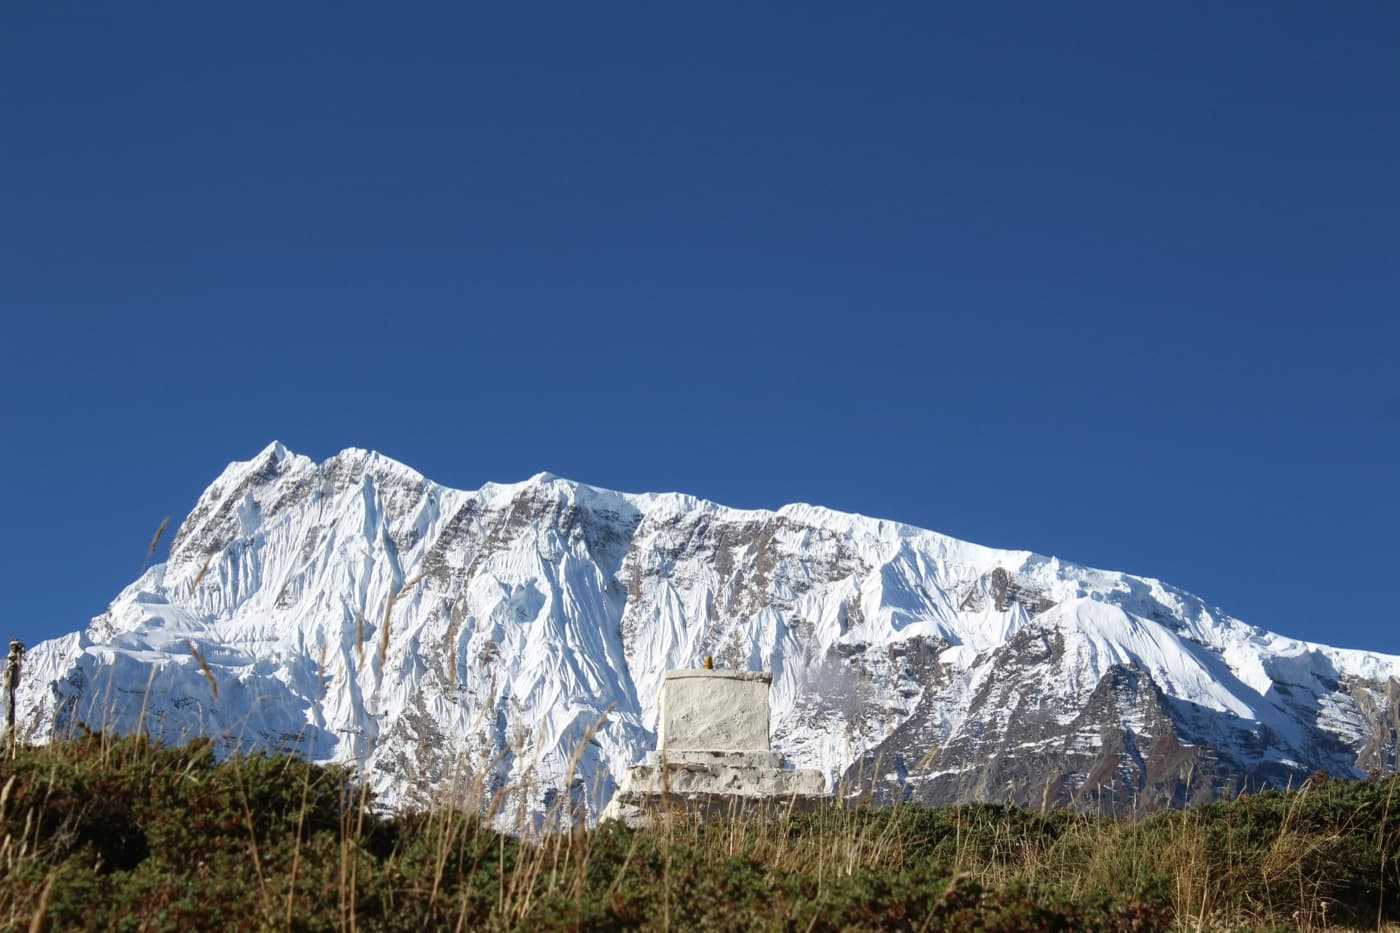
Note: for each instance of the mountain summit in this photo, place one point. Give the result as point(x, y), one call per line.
point(512, 640)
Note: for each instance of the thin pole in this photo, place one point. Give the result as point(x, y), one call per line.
point(12, 665)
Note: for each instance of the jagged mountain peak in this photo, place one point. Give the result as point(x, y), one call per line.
point(354, 611)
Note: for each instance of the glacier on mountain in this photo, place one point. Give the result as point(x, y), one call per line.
point(506, 645)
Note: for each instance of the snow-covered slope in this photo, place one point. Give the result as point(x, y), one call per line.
point(507, 644)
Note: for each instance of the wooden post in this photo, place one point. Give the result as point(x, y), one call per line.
point(12, 664)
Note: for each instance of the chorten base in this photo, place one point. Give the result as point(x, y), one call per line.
point(713, 785)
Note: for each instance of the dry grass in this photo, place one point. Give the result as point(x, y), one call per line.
point(388, 610)
point(203, 667)
point(96, 825)
point(155, 540)
point(1319, 858)
point(194, 584)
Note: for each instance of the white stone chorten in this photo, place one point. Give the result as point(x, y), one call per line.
point(713, 756)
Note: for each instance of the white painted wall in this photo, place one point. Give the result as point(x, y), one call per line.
point(713, 711)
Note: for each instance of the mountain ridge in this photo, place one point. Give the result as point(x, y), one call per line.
point(353, 610)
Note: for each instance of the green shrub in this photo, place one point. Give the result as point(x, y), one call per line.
point(123, 834)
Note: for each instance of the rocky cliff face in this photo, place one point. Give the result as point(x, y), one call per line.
point(506, 644)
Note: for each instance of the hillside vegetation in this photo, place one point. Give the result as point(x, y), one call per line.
point(114, 834)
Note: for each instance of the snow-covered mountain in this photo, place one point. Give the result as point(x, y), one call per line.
point(508, 643)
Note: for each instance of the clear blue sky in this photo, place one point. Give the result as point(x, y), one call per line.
point(1115, 282)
